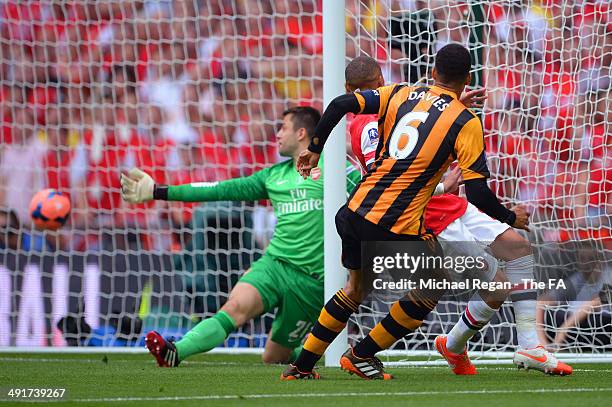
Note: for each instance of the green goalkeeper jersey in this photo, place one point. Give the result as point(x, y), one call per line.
point(298, 205)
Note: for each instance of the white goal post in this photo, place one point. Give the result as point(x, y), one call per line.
point(335, 174)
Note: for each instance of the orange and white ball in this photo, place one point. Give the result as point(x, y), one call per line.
point(49, 209)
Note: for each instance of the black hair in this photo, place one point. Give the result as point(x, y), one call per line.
point(304, 117)
point(453, 63)
point(361, 70)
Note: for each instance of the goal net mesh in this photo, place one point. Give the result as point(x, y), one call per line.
point(194, 90)
point(546, 67)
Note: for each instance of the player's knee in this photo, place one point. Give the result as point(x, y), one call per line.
point(510, 246)
point(496, 296)
point(522, 247)
point(236, 311)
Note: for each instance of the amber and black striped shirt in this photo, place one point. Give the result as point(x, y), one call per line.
point(422, 129)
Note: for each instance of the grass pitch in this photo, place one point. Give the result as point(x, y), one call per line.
point(223, 380)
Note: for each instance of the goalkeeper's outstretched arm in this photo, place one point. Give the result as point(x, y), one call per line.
point(137, 186)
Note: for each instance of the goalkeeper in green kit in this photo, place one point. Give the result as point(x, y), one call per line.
point(289, 276)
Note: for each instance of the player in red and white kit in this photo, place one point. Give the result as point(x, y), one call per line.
point(454, 219)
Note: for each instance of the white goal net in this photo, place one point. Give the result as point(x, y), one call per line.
point(193, 90)
point(546, 66)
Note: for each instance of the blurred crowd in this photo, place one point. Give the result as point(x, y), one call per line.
point(191, 90)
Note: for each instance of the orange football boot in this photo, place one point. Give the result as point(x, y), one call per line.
point(458, 362)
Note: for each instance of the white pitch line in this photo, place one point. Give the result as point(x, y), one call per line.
point(321, 395)
point(195, 362)
point(213, 363)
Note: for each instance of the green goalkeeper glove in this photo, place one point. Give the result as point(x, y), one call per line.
point(137, 186)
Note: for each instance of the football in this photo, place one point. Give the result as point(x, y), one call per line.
point(49, 209)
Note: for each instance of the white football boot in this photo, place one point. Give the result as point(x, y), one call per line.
point(540, 359)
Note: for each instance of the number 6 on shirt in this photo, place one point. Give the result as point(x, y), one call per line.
point(405, 135)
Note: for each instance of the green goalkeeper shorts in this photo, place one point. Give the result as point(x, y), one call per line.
point(297, 296)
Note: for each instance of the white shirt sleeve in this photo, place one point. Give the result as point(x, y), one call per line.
point(369, 141)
